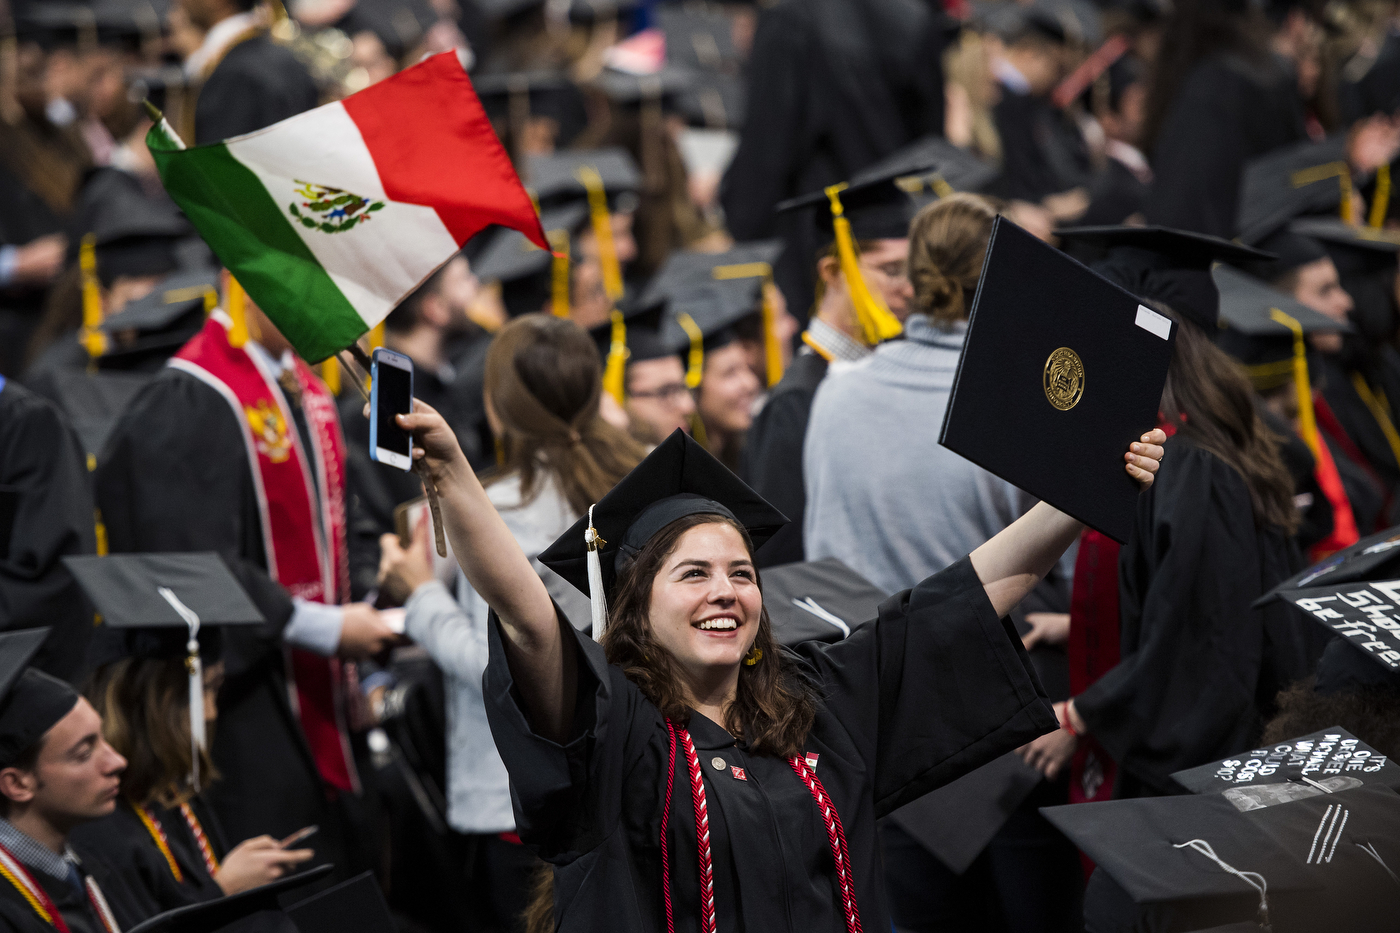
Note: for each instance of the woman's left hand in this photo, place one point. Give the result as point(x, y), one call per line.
point(1145, 456)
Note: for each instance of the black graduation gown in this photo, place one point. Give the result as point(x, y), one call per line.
point(1115, 194)
point(1040, 156)
point(175, 477)
point(257, 83)
point(122, 841)
point(1227, 111)
point(42, 459)
point(1199, 668)
point(771, 461)
point(934, 688)
point(832, 86)
point(128, 909)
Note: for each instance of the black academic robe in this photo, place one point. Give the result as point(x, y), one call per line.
point(41, 459)
point(122, 841)
point(175, 477)
point(1227, 111)
point(832, 86)
point(771, 461)
point(1115, 194)
point(932, 689)
point(256, 84)
point(1199, 667)
point(1358, 421)
point(1040, 154)
point(128, 909)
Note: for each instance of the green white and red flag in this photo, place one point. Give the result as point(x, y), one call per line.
point(330, 218)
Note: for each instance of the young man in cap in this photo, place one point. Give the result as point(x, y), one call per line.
point(56, 772)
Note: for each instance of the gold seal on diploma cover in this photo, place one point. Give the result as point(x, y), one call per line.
point(1064, 379)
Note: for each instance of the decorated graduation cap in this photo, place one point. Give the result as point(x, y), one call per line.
point(215, 915)
point(30, 700)
point(1374, 557)
point(1266, 330)
point(1196, 862)
point(1160, 264)
point(166, 606)
point(822, 600)
point(677, 479)
point(1321, 762)
point(869, 207)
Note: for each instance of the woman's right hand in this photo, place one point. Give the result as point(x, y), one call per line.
point(257, 861)
point(435, 447)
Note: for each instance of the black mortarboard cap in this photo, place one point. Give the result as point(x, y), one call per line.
point(1160, 264)
point(507, 96)
point(1253, 335)
point(212, 916)
point(1328, 757)
point(821, 600)
point(1158, 850)
point(30, 700)
point(9, 511)
point(509, 256)
point(714, 100)
point(399, 24)
point(664, 86)
point(698, 37)
point(1296, 181)
point(1291, 250)
point(134, 234)
point(154, 598)
point(676, 479)
point(876, 206)
point(356, 905)
point(94, 401)
point(1345, 668)
point(554, 178)
point(930, 168)
point(652, 331)
point(180, 294)
point(1335, 230)
point(717, 290)
point(1364, 613)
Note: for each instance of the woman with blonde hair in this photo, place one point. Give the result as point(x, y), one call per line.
point(542, 389)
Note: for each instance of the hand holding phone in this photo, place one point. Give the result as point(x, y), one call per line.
point(390, 394)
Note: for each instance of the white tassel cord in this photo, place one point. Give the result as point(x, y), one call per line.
point(195, 668)
point(597, 599)
point(1261, 885)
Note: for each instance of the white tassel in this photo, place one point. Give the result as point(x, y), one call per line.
point(195, 668)
point(597, 598)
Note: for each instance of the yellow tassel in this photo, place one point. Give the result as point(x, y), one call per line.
point(238, 314)
point(375, 339)
point(92, 337)
point(602, 229)
point(697, 430)
point(1307, 422)
point(615, 373)
point(330, 374)
point(1339, 170)
point(1380, 201)
point(877, 324)
point(695, 368)
point(772, 351)
point(559, 283)
point(99, 527)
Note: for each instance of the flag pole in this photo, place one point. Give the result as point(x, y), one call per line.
point(419, 466)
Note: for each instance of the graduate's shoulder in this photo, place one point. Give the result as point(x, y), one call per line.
point(262, 60)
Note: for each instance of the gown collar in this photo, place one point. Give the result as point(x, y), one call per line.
point(708, 734)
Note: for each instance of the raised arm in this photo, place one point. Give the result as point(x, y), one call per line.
point(1019, 557)
point(501, 573)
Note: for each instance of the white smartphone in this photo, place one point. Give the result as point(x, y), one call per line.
point(390, 394)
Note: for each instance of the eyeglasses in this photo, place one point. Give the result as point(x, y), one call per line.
point(670, 393)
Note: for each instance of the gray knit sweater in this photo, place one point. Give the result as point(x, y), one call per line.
point(882, 495)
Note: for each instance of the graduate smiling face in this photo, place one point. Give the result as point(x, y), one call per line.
point(705, 602)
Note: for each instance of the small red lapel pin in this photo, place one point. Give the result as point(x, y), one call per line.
point(738, 772)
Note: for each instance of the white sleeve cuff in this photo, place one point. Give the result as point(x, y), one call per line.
point(314, 626)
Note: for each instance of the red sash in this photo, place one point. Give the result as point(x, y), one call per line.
point(305, 546)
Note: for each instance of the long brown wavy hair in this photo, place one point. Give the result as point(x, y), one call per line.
point(1208, 398)
point(144, 704)
point(543, 380)
point(774, 706)
point(947, 243)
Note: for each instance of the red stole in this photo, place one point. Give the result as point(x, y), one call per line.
point(305, 545)
point(1344, 533)
point(1093, 650)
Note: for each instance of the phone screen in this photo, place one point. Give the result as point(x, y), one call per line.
point(394, 388)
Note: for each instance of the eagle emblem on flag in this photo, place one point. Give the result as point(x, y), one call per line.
point(331, 210)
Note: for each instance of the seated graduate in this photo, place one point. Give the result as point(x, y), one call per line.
point(163, 838)
point(687, 714)
point(56, 773)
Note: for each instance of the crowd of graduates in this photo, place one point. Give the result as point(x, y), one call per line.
point(232, 651)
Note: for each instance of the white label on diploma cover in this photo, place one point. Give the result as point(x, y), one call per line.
point(1154, 323)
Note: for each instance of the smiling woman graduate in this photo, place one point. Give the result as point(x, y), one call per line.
point(686, 773)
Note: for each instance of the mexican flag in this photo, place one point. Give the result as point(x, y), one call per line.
point(331, 217)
